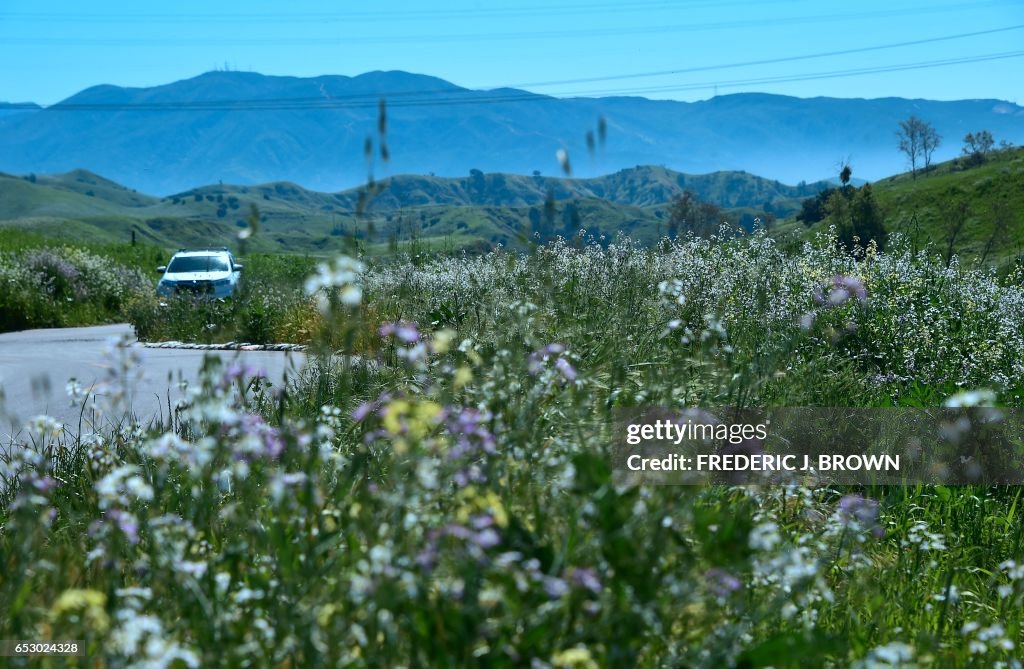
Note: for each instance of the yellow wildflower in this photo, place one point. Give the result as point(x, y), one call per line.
point(91, 603)
point(574, 658)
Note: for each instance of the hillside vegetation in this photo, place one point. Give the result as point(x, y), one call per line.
point(986, 201)
point(958, 207)
point(476, 210)
point(975, 211)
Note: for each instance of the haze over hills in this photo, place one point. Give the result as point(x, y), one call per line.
point(11, 108)
point(247, 128)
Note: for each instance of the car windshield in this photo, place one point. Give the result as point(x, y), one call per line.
point(183, 264)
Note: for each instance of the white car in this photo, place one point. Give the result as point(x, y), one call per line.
point(205, 272)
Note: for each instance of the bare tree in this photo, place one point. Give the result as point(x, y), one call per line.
point(917, 140)
point(909, 137)
point(688, 214)
point(977, 146)
point(930, 140)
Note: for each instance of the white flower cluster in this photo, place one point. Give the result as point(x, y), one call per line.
point(341, 278)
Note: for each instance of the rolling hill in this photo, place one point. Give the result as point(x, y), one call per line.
point(247, 128)
point(976, 210)
point(480, 209)
point(487, 209)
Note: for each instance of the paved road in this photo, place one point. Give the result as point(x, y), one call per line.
point(35, 367)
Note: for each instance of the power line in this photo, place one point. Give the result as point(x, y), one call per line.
point(835, 74)
point(357, 16)
point(370, 16)
point(467, 97)
point(766, 61)
point(374, 97)
point(491, 37)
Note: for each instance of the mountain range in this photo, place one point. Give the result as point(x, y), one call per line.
point(247, 128)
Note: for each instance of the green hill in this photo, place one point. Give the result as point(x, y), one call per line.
point(478, 210)
point(974, 210)
point(988, 198)
point(641, 186)
point(979, 208)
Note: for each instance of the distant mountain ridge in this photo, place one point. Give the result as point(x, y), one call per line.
point(10, 108)
point(247, 128)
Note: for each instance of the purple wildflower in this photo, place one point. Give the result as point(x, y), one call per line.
point(243, 372)
point(471, 474)
point(860, 509)
point(555, 587)
point(373, 406)
point(427, 558)
point(566, 369)
point(457, 531)
point(721, 582)
point(477, 537)
point(586, 579)
point(44, 484)
point(127, 523)
point(535, 363)
point(487, 538)
point(468, 426)
point(362, 411)
point(845, 287)
point(482, 521)
point(405, 332)
point(60, 277)
point(539, 357)
point(268, 437)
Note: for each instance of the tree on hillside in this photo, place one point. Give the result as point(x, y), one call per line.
point(930, 141)
point(682, 210)
point(917, 141)
point(977, 146)
point(845, 174)
point(688, 214)
point(813, 209)
point(857, 217)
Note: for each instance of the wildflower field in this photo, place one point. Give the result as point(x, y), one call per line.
point(43, 284)
point(434, 489)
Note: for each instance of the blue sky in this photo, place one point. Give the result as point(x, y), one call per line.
point(54, 49)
